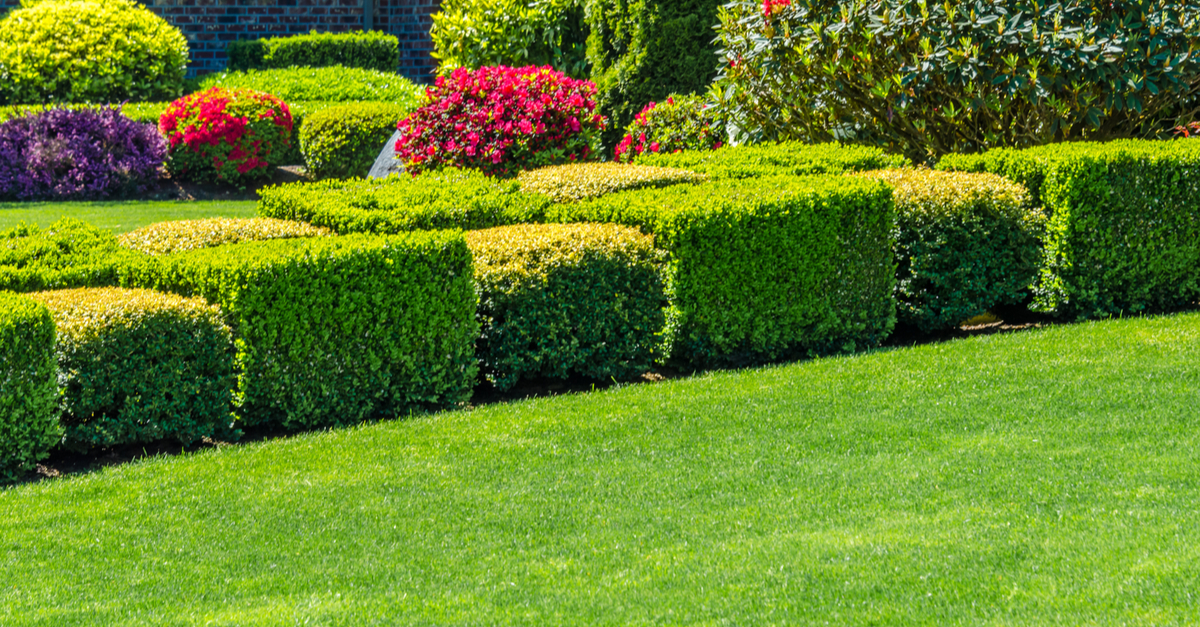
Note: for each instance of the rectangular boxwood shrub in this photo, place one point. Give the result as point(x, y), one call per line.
point(68, 253)
point(580, 181)
point(1124, 222)
point(563, 299)
point(139, 366)
point(28, 385)
point(738, 162)
point(438, 200)
point(181, 235)
point(336, 330)
point(370, 49)
point(965, 243)
point(765, 268)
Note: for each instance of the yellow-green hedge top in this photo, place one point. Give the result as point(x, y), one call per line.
point(80, 312)
point(530, 249)
point(943, 193)
point(580, 181)
point(168, 237)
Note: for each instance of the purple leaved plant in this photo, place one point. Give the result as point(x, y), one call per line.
point(65, 154)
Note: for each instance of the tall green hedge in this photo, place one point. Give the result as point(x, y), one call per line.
point(1124, 222)
point(643, 50)
point(373, 50)
point(28, 385)
point(765, 268)
point(738, 162)
point(336, 330)
point(563, 299)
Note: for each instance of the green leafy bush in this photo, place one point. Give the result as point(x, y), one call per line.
point(438, 200)
point(932, 78)
point(680, 123)
point(183, 235)
point(474, 33)
point(579, 181)
point(965, 243)
point(371, 50)
point(68, 253)
point(771, 159)
point(1123, 234)
point(29, 396)
point(344, 141)
point(323, 84)
point(336, 330)
point(766, 268)
point(139, 366)
point(643, 50)
point(563, 299)
point(89, 51)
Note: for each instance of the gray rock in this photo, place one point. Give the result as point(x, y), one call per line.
point(387, 163)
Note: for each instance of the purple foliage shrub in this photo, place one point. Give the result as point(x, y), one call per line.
point(76, 155)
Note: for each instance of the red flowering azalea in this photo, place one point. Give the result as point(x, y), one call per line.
point(773, 7)
point(501, 120)
point(680, 123)
point(226, 135)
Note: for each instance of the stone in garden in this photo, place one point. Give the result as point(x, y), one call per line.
point(387, 163)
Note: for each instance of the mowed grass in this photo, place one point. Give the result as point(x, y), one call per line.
point(1046, 477)
point(121, 216)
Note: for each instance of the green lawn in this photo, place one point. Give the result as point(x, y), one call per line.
point(121, 216)
point(1047, 477)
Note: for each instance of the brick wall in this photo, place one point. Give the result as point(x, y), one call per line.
point(210, 24)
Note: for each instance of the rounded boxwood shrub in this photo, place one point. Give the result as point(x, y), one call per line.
point(29, 396)
point(344, 141)
point(78, 155)
point(180, 235)
point(223, 135)
point(139, 366)
point(89, 51)
point(581, 181)
point(323, 84)
point(501, 120)
point(679, 123)
point(965, 243)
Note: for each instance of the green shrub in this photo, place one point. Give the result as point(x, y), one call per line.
point(765, 268)
point(571, 183)
point(139, 366)
point(679, 123)
point(323, 84)
point(438, 200)
point(344, 141)
point(89, 51)
point(1123, 234)
point(68, 253)
point(516, 33)
point(563, 299)
point(643, 50)
point(371, 50)
point(965, 243)
point(183, 235)
point(29, 394)
point(336, 330)
point(932, 78)
point(738, 162)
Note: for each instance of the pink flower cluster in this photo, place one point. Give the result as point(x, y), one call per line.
point(225, 135)
point(773, 7)
point(500, 120)
point(627, 149)
point(671, 126)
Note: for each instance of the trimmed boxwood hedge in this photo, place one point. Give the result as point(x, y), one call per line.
point(1124, 222)
point(580, 181)
point(563, 299)
point(767, 268)
point(140, 366)
point(28, 385)
point(180, 235)
point(336, 330)
point(738, 162)
point(374, 50)
point(965, 243)
point(68, 253)
point(344, 141)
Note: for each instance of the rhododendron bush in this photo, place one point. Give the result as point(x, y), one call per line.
point(501, 120)
point(228, 135)
point(680, 123)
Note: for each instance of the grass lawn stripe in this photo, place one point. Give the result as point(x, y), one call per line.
point(1033, 478)
point(121, 216)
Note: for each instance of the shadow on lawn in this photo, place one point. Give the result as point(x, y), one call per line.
point(62, 463)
